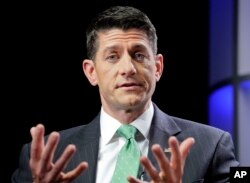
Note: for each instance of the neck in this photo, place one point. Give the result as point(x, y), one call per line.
point(126, 115)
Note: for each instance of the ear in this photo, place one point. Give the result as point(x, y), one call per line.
point(159, 66)
point(88, 67)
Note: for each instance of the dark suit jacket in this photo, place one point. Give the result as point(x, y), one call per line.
point(208, 161)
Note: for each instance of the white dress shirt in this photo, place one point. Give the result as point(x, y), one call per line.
point(111, 144)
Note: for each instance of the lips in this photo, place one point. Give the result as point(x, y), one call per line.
point(129, 85)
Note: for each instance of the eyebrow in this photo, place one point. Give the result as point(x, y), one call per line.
point(139, 46)
point(114, 47)
point(134, 46)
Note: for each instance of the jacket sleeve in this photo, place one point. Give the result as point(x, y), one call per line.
point(23, 173)
point(223, 159)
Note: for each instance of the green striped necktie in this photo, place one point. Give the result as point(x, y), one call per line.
point(128, 157)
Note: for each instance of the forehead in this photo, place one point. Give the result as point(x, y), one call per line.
point(118, 37)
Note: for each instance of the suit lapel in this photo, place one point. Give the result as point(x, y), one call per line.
point(87, 142)
point(162, 127)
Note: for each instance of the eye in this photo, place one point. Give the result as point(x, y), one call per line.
point(139, 56)
point(112, 58)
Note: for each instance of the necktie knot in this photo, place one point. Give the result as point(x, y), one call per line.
point(127, 131)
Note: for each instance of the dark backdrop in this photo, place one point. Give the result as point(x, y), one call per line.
point(45, 47)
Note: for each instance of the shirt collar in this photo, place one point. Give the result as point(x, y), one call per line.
point(109, 125)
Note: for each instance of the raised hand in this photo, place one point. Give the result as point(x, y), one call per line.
point(171, 171)
point(43, 169)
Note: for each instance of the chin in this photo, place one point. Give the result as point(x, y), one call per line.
point(132, 102)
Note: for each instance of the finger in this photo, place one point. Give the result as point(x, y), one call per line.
point(48, 152)
point(163, 163)
point(70, 176)
point(62, 162)
point(133, 180)
point(37, 145)
point(176, 159)
point(150, 169)
point(185, 147)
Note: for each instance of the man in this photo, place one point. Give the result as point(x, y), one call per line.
point(124, 63)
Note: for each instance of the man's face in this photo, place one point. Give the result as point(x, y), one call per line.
point(125, 69)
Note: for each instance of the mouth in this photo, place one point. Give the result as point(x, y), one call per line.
point(130, 86)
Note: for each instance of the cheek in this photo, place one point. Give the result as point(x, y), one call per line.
point(151, 79)
point(105, 79)
point(150, 73)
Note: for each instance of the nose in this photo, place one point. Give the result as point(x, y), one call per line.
point(127, 66)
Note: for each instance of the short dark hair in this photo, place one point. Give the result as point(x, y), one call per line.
point(122, 17)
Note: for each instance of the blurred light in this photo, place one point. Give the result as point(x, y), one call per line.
point(245, 84)
point(221, 109)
